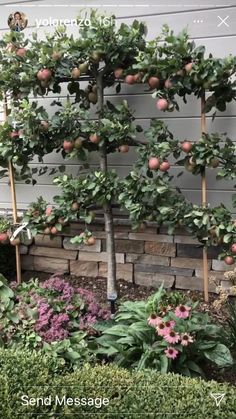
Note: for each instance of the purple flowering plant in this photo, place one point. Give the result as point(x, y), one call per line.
point(53, 315)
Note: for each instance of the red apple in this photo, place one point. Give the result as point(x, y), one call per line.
point(3, 237)
point(84, 67)
point(153, 82)
point(168, 84)
point(56, 55)
point(153, 163)
point(48, 211)
point(229, 260)
point(68, 146)
point(75, 73)
point(164, 166)
point(44, 125)
point(14, 134)
point(21, 52)
point(233, 248)
point(94, 138)
point(54, 230)
point(214, 162)
point(118, 73)
point(130, 79)
point(124, 148)
point(78, 143)
point(188, 67)
point(91, 241)
point(162, 104)
point(44, 74)
point(75, 206)
point(186, 146)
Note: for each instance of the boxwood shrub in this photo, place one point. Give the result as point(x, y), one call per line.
point(129, 394)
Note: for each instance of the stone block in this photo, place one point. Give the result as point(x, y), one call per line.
point(145, 229)
point(48, 241)
point(192, 283)
point(168, 270)
point(160, 249)
point(185, 239)
point(147, 259)
point(195, 251)
point(153, 279)
point(127, 246)
point(122, 228)
point(220, 265)
point(83, 268)
point(188, 263)
point(214, 274)
point(44, 264)
point(100, 257)
point(159, 238)
point(84, 248)
point(27, 262)
point(53, 253)
point(123, 271)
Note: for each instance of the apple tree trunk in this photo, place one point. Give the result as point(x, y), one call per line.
point(107, 209)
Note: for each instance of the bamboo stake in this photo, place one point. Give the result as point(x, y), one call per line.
point(204, 202)
point(14, 203)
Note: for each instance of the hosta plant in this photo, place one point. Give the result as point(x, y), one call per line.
point(166, 334)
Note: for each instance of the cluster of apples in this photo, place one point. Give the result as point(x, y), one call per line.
point(154, 82)
point(154, 163)
point(70, 145)
point(50, 227)
point(5, 237)
point(92, 94)
point(187, 146)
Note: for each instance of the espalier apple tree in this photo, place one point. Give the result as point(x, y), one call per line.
point(103, 57)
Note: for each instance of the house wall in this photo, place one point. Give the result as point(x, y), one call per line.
point(153, 263)
point(184, 124)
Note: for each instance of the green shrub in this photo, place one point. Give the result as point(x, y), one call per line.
point(129, 394)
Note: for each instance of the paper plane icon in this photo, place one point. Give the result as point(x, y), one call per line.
point(218, 397)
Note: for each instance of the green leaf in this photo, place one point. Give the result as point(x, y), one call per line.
point(164, 364)
point(220, 355)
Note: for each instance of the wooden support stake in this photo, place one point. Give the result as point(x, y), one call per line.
point(204, 202)
point(14, 203)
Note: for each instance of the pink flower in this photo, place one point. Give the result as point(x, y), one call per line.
point(161, 329)
point(170, 324)
point(164, 329)
point(171, 352)
point(182, 311)
point(154, 320)
point(172, 337)
point(186, 339)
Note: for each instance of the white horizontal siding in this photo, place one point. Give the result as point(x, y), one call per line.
point(184, 124)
